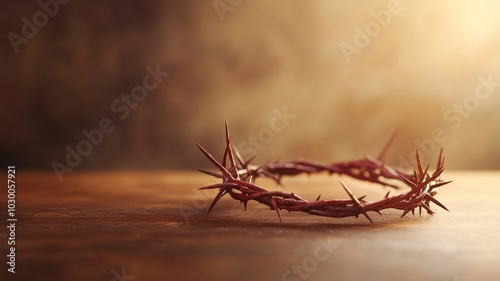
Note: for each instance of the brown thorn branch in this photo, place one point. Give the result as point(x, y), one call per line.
point(237, 181)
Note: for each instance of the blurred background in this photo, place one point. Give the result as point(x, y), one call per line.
point(325, 80)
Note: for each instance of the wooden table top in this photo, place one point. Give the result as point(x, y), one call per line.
point(132, 225)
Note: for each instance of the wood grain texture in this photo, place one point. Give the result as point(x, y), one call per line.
point(96, 222)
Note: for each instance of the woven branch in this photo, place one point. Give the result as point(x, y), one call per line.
point(238, 181)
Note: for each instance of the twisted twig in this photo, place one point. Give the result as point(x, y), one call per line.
point(237, 181)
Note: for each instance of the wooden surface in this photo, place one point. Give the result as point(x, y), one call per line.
point(96, 222)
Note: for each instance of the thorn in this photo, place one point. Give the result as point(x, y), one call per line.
point(355, 200)
point(361, 198)
point(413, 212)
point(419, 211)
point(440, 158)
point(224, 158)
point(426, 169)
point(227, 130)
point(319, 196)
point(440, 184)
point(249, 160)
point(434, 176)
point(219, 195)
point(217, 164)
point(245, 204)
point(404, 213)
point(213, 186)
point(387, 145)
point(229, 150)
point(408, 182)
point(429, 211)
point(419, 162)
point(435, 201)
point(275, 206)
point(210, 173)
point(239, 157)
point(387, 195)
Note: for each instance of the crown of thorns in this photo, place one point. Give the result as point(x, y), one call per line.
point(238, 181)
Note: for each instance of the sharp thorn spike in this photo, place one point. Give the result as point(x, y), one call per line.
point(440, 158)
point(219, 195)
point(429, 211)
point(426, 169)
point(229, 149)
point(275, 206)
point(226, 151)
point(248, 161)
point(217, 164)
point(435, 201)
point(409, 182)
point(440, 184)
point(224, 158)
point(355, 200)
point(387, 195)
point(210, 173)
point(213, 186)
point(239, 157)
point(419, 163)
point(387, 145)
point(404, 213)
